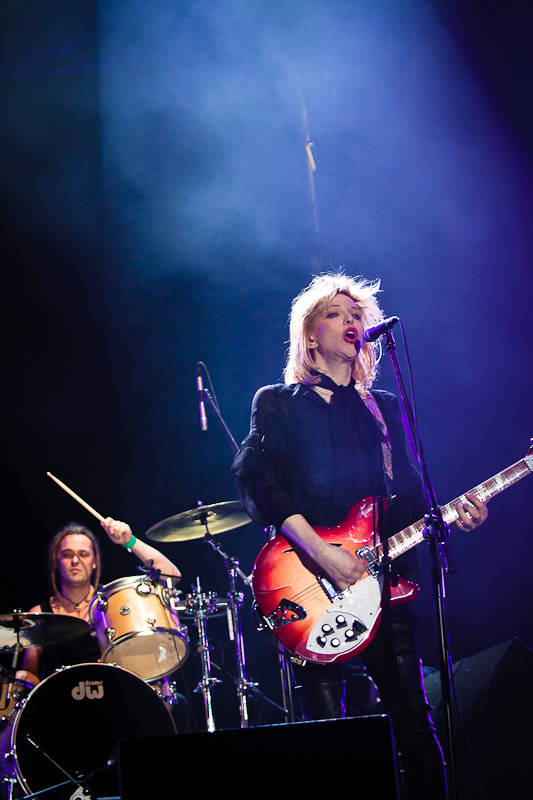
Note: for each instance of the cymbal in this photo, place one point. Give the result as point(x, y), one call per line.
point(39, 630)
point(217, 518)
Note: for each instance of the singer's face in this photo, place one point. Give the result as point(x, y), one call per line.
point(337, 333)
point(76, 560)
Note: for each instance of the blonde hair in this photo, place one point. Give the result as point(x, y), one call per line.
point(309, 304)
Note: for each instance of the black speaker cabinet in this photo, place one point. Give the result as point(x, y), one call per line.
point(340, 755)
point(495, 698)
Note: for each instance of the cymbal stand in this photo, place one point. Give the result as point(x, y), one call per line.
point(234, 625)
point(236, 597)
point(205, 685)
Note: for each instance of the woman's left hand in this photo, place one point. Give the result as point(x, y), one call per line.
point(471, 514)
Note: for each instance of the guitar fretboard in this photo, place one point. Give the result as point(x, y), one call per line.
point(413, 535)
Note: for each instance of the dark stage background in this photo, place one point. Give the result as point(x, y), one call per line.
point(159, 209)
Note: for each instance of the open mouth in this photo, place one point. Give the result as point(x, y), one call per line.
point(351, 336)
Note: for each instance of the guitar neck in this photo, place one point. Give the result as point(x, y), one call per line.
point(412, 536)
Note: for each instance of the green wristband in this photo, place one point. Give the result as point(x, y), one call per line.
point(131, 543)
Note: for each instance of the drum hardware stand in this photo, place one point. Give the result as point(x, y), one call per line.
point(80, 793)
point(243, 685)
point(253, 689)
point(286, 678)
point(14, 661)
point(286, 683)
point(234, 626)
point(13, 781)
point(233, 569)
point(207, 681)
point(11, 786)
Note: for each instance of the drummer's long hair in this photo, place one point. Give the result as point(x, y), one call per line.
point(53, 555)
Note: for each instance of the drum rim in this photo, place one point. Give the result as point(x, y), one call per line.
point(17, 770)
point(123, 582)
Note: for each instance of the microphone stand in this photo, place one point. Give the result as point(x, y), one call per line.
point(243, 685)
point(215, 408)
point(442, 560)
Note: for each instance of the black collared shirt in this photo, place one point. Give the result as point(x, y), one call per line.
point(306, 456)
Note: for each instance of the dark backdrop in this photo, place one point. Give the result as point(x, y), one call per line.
point(159, 209)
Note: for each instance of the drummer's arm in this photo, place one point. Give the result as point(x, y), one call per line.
point(120, 533)
point(31, 660)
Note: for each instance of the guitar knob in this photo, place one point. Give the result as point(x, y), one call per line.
point(349, 635)
point(341, 621)
point(327, 629)
point(335, 642)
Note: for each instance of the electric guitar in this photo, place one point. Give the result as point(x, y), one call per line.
point(317, 623)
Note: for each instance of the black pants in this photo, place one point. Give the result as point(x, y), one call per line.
point(393, 662)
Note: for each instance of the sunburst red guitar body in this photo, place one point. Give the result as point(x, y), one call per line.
point(300, 606)
point(315, 622)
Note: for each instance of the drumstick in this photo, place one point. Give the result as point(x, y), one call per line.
point(76, 497)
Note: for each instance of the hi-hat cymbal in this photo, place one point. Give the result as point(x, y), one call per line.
point(193, 524)
point(39, 630)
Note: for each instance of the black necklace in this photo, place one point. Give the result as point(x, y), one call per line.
point(76, 605)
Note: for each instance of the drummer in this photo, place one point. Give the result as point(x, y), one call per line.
point(74, 566)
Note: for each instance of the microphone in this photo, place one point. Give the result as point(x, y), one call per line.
point(371, 334)
point(201, 398)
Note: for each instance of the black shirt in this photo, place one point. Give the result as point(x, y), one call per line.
point(81, 650)
point(307, 456)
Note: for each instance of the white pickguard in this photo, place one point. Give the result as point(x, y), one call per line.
point(334, 633)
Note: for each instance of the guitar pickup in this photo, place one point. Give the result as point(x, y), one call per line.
point(285, 613)
point(372, 563)
point(327, 587)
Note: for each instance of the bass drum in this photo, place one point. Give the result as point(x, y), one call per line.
point(76, 718)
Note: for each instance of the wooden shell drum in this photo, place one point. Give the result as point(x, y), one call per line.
point(11, 693)
point(138, 628)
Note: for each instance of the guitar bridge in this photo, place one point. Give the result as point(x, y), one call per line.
point(367, 554)
point(285, 613)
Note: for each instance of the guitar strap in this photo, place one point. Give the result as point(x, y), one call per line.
point(371, 404)
point(386, 449)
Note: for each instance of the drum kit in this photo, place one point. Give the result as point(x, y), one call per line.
point(59, 739)
point(57, 734)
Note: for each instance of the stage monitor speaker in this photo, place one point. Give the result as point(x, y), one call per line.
point(495, 697)
point(357, 752)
